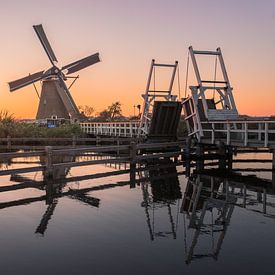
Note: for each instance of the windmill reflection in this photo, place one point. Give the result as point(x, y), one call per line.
point(161, 190)
point(54, 189)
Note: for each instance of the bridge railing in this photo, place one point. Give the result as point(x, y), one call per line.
point(243, 132)
point(51, 159)
point(114, 128)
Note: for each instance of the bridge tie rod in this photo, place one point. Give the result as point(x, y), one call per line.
point(165, 65)
point(207, 52)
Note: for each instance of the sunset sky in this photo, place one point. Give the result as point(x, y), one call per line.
point(128, 34)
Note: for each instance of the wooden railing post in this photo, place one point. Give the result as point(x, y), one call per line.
point(230, 159)
point(117, 144)
point(245, 134)
point(273, 169)
point(222, 155)
point(265, 134)
point(199, 155)
point(49, 162)
point(259, 132)
point(97, 140)
point(227, 133)
point(133, 153)
point(186, 156)
point(9, 143)
point(213, 133)
point(74, 141)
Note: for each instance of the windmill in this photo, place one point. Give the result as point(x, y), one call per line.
point(55, 98)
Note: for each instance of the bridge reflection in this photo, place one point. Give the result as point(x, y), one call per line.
point(161, 190)
point(208, 205)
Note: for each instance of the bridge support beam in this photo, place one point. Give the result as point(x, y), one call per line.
point(222, 155)
point(229, 159)
point(200, 161)
point(133, 155)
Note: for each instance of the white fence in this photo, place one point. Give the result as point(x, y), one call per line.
point(117, 128)
point(246, 132)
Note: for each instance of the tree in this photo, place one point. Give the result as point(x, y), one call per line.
point(115, 110)
point(103, 116)
point(112, 112)
point(86, 110)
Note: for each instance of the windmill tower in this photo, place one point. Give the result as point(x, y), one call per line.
point(55, 98)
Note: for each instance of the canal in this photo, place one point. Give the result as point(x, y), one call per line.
point(164, 222)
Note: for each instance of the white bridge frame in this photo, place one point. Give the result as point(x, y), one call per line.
point(228, 110)
point(151, 96)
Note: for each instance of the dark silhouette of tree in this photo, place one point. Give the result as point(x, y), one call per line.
point(115, 110)
point(86, 110)
point(103, 116)
point(111, 113)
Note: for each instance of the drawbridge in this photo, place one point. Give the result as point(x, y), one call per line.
point(160, 115)
point(211, 114)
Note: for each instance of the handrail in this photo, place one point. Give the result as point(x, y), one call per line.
point(132, 155)
point(264, 135)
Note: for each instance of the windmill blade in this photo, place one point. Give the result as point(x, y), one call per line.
point(81, 64)
point(22, 82)
point(45, 43)
point(42, 227)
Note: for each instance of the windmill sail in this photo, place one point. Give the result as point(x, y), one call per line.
point(45, 42)
point(22, 82)
point(81, 64)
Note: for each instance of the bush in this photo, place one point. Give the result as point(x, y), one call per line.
point(10, 127)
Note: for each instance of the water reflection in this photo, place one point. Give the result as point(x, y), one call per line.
point(208, 212)
point(208, 204)
point(165, 192)
point(184, 220)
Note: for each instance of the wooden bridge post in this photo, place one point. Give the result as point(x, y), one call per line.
point(97, 140)
point(49, 162)
point(273, 169)
point(186, 154)
point(9, 143)
point(133, 155)
point(199, 154)
point(187, 149)
point(230, 158)
point(117, 143)
point(222, 155)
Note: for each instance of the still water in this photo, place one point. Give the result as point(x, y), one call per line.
point(162, 223)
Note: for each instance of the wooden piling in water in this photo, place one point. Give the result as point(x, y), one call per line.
point(133, 156)
point(186, 156)
point(49, 162)
point(200, 161)
point(230, 158)
point(273, 169)
point(222, 155)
